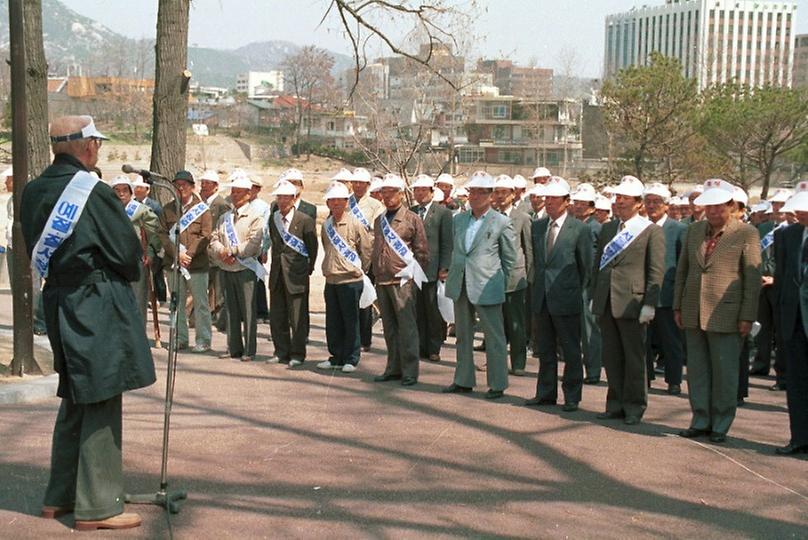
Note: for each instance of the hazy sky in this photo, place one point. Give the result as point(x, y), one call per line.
point(545, 30)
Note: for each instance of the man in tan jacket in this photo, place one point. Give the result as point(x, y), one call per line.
point(715, 301)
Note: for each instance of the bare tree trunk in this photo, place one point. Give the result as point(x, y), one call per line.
point(171, 88)
point(36, 89)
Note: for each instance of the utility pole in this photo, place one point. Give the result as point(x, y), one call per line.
point(23, 319)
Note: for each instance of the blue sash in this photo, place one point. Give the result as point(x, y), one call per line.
point(368, 291)
point(251, 263)
point(413, 270)
point(768, 239)
point(288, 238)
point(62, 220)
point(131, 208)
point(192, 215)
point(357, 212)
point(622, 240)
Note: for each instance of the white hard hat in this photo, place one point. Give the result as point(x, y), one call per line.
point(422, 180)
point(519, 182)
point(344, 175)
point(337, 190)
point(556, 187)
point(799, 201)
point(375, 184)
point(290, 174)
point(716, 191)
point(781, 195)
point(445, 178)
point(437, 195)
point(629, 186)
point(210, 175)
point(121, 180)
point(480, 179)
point(460, 192)
point(584, 192)
point(285, 188)
point(603, 203)
point(503, 181)
point(740, 196)
point(536, 191)
point(256, 180)
point(660, 190)
point(541, 172)
point(140, 182)
point(394, 181)
point(361, 174)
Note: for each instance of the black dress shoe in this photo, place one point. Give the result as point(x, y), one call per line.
point(570, 406)
point(674, 389)
point(387, 377)
point(592, 380)
point(777, 387)
point(408, 381)
point(536, 402)
point(494, 394)
point(717, 437)
point(456, 389)
point(792, 449)
point(610, 415)
point(631, 420)
point(762, 372)
point(691, 433)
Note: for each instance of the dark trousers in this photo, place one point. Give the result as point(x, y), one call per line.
point(397, 305)
point(431, 326)
point(262, 311)
point(513, 313)
point(366, 326)
point(592, 343)
point(769, 336)
point(712, 378)
point(797, 384)
point(158, 279)
point(288, 321)
point(555, 331)
point(342, 322)
point(624, 339)
point(86, 463)
point(664, 332)
point(743, 369)
point(239, 297)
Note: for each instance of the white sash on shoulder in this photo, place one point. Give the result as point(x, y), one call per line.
point(192, 215)
point(62, 220)
point(624, 239)
point(368, 291)
point(768, 239)
point(251, 263)
point(131, 208)
point(413, 270)
point(288, 238)
point(357, 212)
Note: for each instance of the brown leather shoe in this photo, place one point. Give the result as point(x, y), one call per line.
point(55, 512)
point(121, 521)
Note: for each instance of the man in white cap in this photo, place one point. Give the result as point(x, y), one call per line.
point(562, 251)
point(294, 254)
point(536, 197)
point(696, 212)
point(438, 228)
point(194, 226)
point(715, 301)
point(673, 208)
point(347, 247)
point(483, 257)
point(445, 183)
point(141, 192)
point(235, 247)
point(603, 209)
point(261, 206)
point(541, 175)
point(583, 208)
point(147, 225)
point(461, 197)
point(81, 240)
point(662, 330)
point(375, 189)
point(295, 177)
point(521, 202)
point(219, 206)
point(366, 209)
point(791, 285)
point(514, 311)
point(627, 277)
point(400, 252)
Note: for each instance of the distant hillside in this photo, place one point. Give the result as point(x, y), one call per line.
point(77, 44)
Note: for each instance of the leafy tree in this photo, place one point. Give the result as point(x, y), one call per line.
point(649, 113)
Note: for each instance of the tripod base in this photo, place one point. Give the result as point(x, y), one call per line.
point(168, 500)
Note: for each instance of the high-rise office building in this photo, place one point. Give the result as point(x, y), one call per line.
point(800, 77)
point(716, 41)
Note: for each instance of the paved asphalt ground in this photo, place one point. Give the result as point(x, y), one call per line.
point(269, 452)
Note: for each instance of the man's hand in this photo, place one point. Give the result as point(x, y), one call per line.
point(185, 260)
point(766, 281)
point(677, 318)
point(647, 314)
point(443, 274)
point(744, 327)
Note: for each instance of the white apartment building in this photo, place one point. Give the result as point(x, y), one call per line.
point(716, 41)
point(259, 84)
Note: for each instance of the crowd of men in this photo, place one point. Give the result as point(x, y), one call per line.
point(632, 280)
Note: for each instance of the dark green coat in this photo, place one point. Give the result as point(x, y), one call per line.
point(94, 326)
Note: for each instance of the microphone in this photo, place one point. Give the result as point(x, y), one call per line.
point(147, 175)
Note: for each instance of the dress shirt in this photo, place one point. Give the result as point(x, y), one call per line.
point(424, 209)
point(662, 220)
point(474, 226)
point(554, 224)
point(287, 219)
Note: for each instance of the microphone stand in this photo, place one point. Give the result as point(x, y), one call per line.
point(163, 497)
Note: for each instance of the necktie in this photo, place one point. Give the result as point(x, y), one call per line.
point(551, 236)
point(286, 224)
point(422, 211)
point(621, 227)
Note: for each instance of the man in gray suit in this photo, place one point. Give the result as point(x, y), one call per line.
point(627, 276)
point(791, 294)
point(562, 251)
point(438, 227)
point(663, 329)
point(514, 308)
point(484, 255)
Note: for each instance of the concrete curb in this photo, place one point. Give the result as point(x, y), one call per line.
point(31, 388)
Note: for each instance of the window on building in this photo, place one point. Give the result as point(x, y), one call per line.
point(499, 111)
